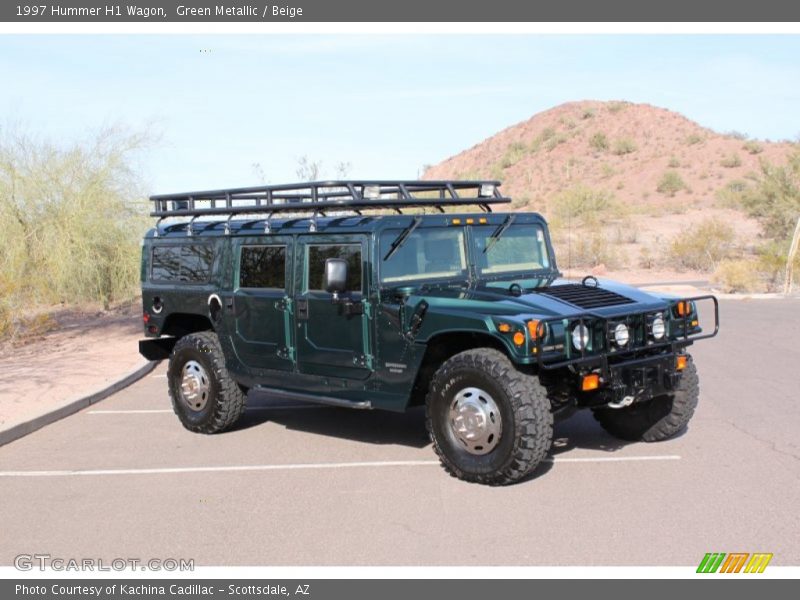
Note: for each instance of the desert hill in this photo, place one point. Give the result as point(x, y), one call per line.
point(663, 170)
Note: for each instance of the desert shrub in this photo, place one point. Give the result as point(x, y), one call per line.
point(514, 153)
point(739, 275)
point(582, 205)
point(599, 141)
point(587, 113)
point(539, 140)
point(673, 163)
point(593, 249)
point(731, 162)
point(693, 138)
point(671, 183)
point(703, 246)
point(732, 194)
point(774, 198)
point(555, 141)
point(737, 135)
point(753, 147)
point(624, 146)
point(71, 218)
point(617, 105)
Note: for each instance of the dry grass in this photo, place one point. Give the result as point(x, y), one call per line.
point(71, 222)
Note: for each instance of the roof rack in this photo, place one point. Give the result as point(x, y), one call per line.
point(320, 196)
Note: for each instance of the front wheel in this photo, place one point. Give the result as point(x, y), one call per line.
point(658, 419)
point(204, 396)
point(489, 423)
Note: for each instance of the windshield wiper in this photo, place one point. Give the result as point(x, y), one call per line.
point(402, 237)
point(499, 232)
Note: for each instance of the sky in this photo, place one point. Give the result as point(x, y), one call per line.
point(387, 105)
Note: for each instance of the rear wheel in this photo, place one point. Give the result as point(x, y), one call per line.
point(489, 423)
point(658, 419)
point(204, 396)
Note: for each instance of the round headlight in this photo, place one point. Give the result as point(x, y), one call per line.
point(621, 334)
point(580, 337)
point(658, 329)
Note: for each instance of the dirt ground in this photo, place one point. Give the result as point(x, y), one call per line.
point(86, 352)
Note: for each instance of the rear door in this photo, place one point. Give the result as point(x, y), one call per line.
point(262, 306)
point(332, 340)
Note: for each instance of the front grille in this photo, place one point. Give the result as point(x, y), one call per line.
point(585, 296)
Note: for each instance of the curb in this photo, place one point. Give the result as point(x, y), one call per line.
point(22, 429)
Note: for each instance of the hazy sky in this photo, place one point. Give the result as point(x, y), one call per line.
point(386, 104)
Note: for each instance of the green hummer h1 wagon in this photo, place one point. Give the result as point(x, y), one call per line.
point(392, 294)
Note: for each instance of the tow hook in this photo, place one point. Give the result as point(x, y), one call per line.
point(625, 401)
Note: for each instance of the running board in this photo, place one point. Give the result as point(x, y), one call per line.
point(314, 399)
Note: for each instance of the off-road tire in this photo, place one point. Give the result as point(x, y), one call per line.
point(658, 419)
point(226, 400)
point(527, 420)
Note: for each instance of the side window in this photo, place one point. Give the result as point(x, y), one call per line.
point(166, 263)
point(263, 267)
point(191, 264)
point(318, 254)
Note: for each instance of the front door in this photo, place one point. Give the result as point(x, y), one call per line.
point(262, 335)
point(332, 339)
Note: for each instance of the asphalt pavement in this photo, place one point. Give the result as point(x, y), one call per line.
point(309, 485)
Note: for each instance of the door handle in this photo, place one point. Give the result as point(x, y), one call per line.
point(302, 309)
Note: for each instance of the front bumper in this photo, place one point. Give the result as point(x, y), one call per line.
point(642, 370)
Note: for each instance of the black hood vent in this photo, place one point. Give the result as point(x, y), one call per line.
point(585, 296)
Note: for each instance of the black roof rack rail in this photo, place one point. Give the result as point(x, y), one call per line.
point(317, 197)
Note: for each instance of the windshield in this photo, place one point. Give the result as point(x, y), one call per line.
point(519, 248)
point(428, 254)
point(424, 254)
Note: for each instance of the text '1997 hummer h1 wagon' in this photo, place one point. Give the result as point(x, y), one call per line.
point(393, 294)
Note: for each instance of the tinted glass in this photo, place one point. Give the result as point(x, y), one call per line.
point(263, 267)
point(317, 255)
point(519, 248)
point(191, 264)
point(425, 254)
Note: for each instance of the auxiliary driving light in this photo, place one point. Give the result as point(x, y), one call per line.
point(621, 334)
point(657, 328)
point(580, 337)
point(487, 190)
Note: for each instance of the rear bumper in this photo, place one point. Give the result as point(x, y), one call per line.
point(158, 348)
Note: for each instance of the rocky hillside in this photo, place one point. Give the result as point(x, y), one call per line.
point(666, 171)
point(618, 146)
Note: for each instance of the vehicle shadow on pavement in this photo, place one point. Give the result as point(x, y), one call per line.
point(367, 426)
point(581, 431)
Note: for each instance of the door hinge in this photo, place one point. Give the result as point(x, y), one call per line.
point(286, 353)
point(364, 360)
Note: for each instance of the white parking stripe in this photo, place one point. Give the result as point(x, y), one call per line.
point(302, 466)
point(166, 410)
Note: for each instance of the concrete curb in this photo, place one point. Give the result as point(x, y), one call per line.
point(22, 429)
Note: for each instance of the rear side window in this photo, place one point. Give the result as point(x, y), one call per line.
point(317, 255)
point(191, 264)
point(263, 267)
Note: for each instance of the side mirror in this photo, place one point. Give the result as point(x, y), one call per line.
point(335, 281)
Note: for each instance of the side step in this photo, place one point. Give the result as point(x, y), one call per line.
point(313, 398)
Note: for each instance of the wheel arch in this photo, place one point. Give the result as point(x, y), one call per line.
point(443, 346)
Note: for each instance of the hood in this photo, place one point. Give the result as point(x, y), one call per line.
point(561, 298)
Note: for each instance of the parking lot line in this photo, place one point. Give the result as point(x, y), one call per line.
point(300, 466)
point(171, 412)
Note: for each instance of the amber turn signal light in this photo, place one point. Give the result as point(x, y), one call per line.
point(683, 308)
point(504, 328)
point(533, 329)
point(590, 382)
point(680, 363)
point(519, 338)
